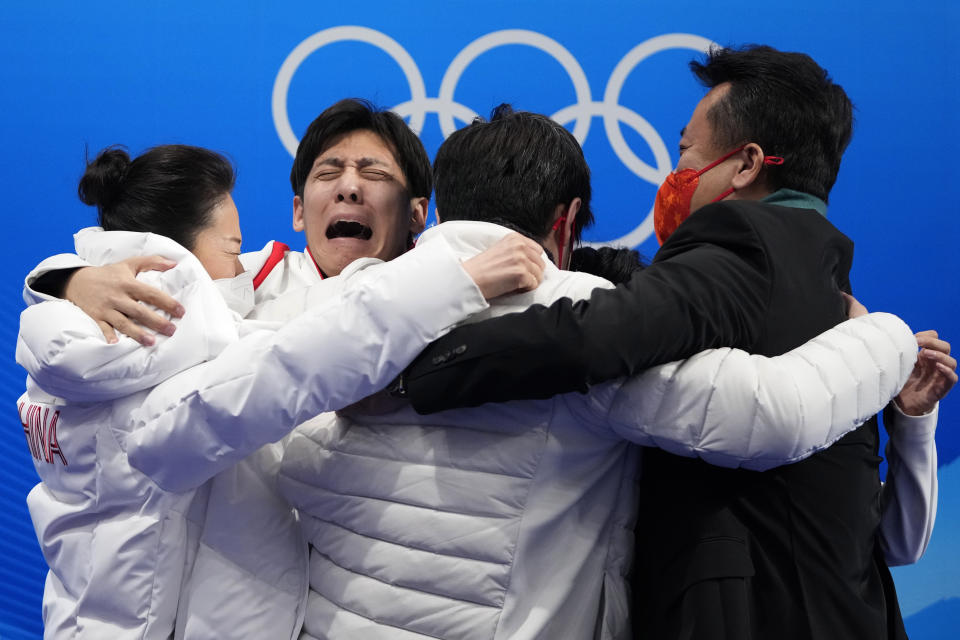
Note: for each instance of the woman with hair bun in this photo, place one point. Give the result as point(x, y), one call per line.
point(156, 527)
point(177, 191)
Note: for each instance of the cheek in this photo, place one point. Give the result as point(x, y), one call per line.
point(315, 197)
point(396, 212)
point(699, 197)
point(712, 184)
point(688, 160)
point(310, 211)
point(230, 269)
point(222, 267)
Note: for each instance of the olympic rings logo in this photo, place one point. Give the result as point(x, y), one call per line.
point(448, 109)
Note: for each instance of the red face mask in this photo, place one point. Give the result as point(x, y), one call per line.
point(674, 196)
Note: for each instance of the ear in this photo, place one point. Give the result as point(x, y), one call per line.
point(750, 168)
point(418, 214)
point(297, 214)
point(572, 210)
point(562, 236)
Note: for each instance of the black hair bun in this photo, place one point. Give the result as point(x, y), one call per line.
point(102, 182)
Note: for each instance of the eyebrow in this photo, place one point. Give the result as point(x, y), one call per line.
point(234, 239)
point(339, 163)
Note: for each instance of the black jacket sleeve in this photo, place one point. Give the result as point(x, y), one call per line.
point(708, 287)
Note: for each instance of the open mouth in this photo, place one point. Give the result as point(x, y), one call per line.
point(349, 229)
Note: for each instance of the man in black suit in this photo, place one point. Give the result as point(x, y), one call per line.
point(790, 553)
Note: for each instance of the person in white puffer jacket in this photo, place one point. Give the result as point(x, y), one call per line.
point(129, 552)
point(515, 520)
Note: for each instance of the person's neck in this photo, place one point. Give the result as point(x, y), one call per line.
point(751, 192)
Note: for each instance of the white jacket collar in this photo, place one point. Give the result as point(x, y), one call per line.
point(470, 237)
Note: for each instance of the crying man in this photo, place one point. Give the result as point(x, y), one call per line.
point(356, 198)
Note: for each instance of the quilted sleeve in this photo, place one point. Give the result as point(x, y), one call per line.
point(909, 496)
point(734, 409)
point(207, 418)
point(65, 352)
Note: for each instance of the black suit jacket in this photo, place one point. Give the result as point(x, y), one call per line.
point(710, 285)
point(721, 553)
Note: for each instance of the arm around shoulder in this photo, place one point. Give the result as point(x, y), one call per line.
point(65, 352)
point(333, 355)
point(707, 288)
point(734, 409)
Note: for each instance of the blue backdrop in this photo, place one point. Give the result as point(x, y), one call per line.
point(247, 78)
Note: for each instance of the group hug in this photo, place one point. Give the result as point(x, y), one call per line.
point(480, 430)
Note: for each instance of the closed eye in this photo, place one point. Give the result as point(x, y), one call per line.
point(376, 174)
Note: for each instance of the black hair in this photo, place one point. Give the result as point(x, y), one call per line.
point(169, 190)
point(514, 170)
point(614, 264)
point(353, 114)
point(786, 103)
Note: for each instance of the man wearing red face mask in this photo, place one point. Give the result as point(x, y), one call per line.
point(748, 260)
point(676, 195)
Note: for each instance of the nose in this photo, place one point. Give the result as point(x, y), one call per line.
point(349, 188)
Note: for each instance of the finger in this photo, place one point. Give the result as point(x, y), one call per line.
point(108, 332)
point(939, 357)
point(534, 271)
point(537, 265)
point(513, 240)
point(157, 298)
point(529, 282)
point(530, 254)
point(948, 373)
point(526, 245)
point(533, 247)
point(535, 277)
point(130, 329)
point(143, 316)
point(150, 263)
point(524, 279)
point(927, 341)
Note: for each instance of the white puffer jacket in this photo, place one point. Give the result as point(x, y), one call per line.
point(145, 515)
point(515, 520)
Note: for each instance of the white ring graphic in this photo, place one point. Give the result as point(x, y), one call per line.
point(514, 36)
point(449, 110)
point(611, 99)
point(281, 86)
